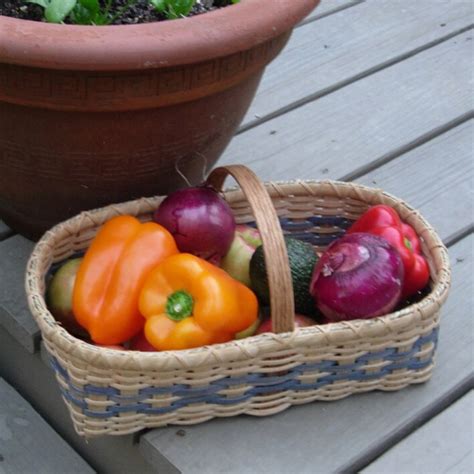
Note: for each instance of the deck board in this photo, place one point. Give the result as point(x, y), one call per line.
point(28, 444)
point(326, 54)
point(329, 7)
point(358, 124)
point(330, 437)
point(15, 315)
point(445, 442)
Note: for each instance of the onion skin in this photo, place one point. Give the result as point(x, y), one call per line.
point(360, 276)
point(200, 220)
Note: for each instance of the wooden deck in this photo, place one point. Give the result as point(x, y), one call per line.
point(375, 91)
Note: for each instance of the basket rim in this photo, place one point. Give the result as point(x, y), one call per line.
point(234, 350)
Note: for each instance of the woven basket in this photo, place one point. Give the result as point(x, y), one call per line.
point(117, 392)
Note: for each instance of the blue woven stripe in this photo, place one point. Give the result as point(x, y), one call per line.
point(76, 401)
point(260, 383)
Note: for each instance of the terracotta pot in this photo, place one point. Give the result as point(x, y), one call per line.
point(95, 115)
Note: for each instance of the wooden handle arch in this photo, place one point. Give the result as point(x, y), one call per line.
point(276, 257)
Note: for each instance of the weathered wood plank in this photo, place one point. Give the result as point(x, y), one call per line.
point(330, 437)
point(28, 444)
point(436, 178)
point(15, 315)
point(356, 125)
point(445, 444)
point(329, 7)
point(36, 381)
point(342, 47)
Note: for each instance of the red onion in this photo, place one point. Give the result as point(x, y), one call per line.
point(359, 276)
point(200, 220)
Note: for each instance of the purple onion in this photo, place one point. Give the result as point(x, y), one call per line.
point(200, 220)
point(359, 276)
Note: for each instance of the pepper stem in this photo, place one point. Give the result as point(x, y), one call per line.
point(179, 305)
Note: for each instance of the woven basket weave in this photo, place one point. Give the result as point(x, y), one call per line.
point(119, 392)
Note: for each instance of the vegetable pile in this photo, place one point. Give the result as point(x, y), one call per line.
point(192, 277)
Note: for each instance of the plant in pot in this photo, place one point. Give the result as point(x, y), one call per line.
point(93, 114)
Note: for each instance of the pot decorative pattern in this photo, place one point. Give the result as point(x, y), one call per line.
point(129, 90)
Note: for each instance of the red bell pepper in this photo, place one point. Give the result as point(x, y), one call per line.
point(419, 275)
point(384, 221)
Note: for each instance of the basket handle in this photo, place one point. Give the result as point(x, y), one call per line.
point(274, 248)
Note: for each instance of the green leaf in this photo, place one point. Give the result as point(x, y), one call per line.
point(81, 15)
point(41, 3)
point(86, 12)
point(160, 5)
point(173, 8)
point(101, 19)
point(183, 7)
point(58, 10)
point(92, 5)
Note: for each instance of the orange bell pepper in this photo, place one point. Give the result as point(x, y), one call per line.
point(189, 302)
point(109, 279)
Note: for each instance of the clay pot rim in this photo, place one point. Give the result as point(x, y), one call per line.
point(199, 38)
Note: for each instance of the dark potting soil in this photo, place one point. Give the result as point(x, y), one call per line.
point(140, 11)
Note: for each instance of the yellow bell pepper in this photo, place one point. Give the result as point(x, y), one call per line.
point(189, 302)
